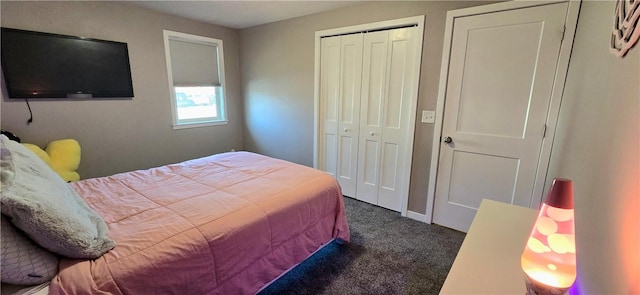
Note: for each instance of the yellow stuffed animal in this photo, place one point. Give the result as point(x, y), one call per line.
point(63, 156)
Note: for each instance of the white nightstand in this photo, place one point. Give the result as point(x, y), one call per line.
point(489, 260)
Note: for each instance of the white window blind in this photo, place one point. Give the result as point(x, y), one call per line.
point(194, 64)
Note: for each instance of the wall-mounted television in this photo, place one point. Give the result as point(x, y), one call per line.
point(44, 65)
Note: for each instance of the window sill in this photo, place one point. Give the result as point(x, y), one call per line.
point(196, 125)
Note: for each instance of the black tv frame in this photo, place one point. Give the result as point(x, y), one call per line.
point(8, 68)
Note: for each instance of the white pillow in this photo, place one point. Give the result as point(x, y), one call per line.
point(23, 261)
point(46, 208)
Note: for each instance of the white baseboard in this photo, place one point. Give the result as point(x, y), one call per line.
point(417, 216)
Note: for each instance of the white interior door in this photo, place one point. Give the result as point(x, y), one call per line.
point(500, 80)
point(341, 68)
point(385, 116)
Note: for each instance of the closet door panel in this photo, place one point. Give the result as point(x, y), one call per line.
point(349, 111)
point(374, 79)
point(396, 121)
point(395, 99)
point(351, 67)
point(388, 176)
point(329, 98)
point(367, 190)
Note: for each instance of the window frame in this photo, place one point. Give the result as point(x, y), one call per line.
point(221, 104)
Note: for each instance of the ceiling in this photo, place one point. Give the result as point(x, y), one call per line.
point(241, 14)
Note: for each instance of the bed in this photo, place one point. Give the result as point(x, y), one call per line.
point(225, 224)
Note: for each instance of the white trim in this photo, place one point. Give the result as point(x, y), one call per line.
point(562, 69)
point(316, 98)
point(415, 20)
point(412, 116)
point(417, 216)
point(554, 108)
point(502, 6)
point(407, 21)
point(195, 125)
point(437, 128)
point(167, 53)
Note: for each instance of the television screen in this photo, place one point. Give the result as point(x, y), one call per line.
point(43, 65)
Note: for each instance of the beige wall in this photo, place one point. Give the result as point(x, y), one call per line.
point(597, 145)
point(277, 66)
point(122, 135)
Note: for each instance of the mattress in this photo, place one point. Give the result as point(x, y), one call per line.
point(224, 224)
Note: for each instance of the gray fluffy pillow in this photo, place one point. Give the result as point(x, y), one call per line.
point(23, 261)
point(46, 208)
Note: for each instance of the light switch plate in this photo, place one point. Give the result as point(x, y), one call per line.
point(428, 117)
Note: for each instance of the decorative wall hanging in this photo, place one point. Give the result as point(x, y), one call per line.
point(626, 27)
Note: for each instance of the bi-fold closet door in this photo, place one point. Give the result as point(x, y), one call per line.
point(365, 103)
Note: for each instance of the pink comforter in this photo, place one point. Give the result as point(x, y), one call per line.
point(224, 224)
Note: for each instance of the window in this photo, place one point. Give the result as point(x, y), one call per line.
point(195, 65)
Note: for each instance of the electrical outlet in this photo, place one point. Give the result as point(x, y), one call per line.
point(428, 117)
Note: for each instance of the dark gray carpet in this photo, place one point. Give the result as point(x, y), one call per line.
point(388, 254)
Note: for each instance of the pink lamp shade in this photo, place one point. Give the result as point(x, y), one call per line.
point(549, 258)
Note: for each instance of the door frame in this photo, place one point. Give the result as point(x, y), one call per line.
point(571, 22)
point(418, 21)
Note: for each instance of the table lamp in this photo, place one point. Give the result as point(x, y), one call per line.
point(549, 258)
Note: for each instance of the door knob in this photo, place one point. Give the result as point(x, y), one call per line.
point(346, 130)
point(372, 133)
point(447, 139)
